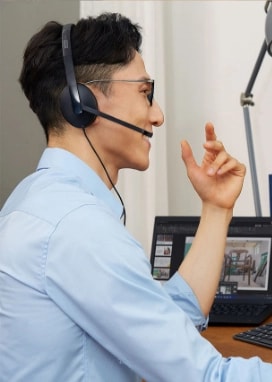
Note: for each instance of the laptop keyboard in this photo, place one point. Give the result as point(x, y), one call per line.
point(239, 313)
point(261, 335)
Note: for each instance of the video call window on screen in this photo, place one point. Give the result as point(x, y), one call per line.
point(245, 264)
point(246, 261)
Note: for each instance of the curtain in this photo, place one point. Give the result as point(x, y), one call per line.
point(145, 194)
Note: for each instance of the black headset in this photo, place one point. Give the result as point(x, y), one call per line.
point(75, 95)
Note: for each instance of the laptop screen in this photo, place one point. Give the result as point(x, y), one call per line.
point(247, 265)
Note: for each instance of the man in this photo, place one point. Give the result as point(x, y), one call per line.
point(78, 302)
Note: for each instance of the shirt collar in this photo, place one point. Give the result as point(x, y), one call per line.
point(71, 165)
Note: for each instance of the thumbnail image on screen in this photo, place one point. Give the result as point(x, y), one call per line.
point(162, 260)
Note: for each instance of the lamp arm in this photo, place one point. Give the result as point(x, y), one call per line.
point(246, 101)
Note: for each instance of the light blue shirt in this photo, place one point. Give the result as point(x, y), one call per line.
point(77, 299)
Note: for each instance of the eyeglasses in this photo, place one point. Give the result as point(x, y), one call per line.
point(150, 94)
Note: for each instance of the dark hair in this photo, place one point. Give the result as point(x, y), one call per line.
point(100, 45)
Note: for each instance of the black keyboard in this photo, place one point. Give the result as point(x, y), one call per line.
point(261, 335)
point(244, 314)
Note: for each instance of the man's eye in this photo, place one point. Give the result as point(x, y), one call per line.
point(147, 92)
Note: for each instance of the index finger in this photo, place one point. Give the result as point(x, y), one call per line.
point(210, 133)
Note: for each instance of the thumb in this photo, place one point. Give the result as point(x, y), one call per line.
point(187, 155)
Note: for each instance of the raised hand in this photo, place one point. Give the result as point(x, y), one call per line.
point(219, 178)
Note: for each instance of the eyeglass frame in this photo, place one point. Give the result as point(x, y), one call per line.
point(150, 96)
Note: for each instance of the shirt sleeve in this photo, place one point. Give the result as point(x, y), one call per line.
point(182, 294)
point(98, 275)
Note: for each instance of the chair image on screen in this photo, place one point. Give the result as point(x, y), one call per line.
point(238, 263)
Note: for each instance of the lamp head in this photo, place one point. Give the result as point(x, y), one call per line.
point(268, 28)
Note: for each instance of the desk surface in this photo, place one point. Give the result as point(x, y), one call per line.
point(221, 338)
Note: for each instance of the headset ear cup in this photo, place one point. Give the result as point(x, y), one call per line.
point(87, 98)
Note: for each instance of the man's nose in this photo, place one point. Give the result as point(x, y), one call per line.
point(157, 116)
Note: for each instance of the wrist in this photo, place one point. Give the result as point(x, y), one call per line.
point(213, 212)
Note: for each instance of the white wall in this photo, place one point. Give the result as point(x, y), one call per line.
point(212, 47)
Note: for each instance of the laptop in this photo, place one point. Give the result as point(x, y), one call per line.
point(244, 293)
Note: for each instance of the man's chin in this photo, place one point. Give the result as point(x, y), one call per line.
point(142, 167)
point(139, 167)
